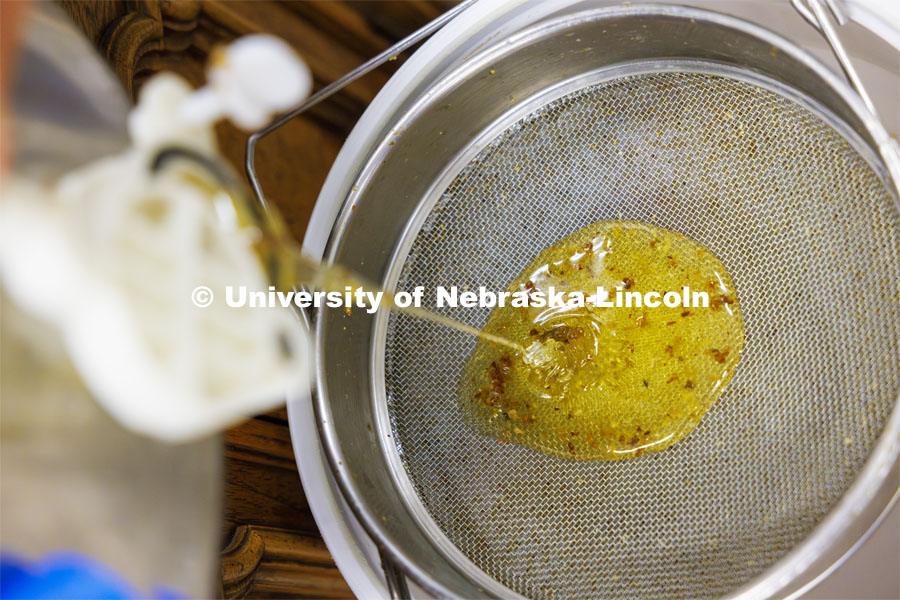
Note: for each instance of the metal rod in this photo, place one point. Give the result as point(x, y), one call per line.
point(837, 9)
point(823, 22)
point(396, 582)
point(336, 86)
point(807, 14)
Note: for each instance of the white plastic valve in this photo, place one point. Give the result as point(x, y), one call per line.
point(249, 81)
point(113, 255)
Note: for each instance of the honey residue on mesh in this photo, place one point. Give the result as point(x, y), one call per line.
point(607, 383)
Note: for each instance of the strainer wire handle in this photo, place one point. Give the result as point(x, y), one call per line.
point(396, 582)
point(822, 17)
point(336, 86)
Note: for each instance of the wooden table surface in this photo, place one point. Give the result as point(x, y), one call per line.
point(271, 546)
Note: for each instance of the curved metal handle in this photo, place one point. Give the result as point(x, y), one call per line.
point(822, 17)
point(396, 581)
point(336, 86)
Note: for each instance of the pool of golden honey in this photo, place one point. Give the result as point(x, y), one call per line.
point(607, 383)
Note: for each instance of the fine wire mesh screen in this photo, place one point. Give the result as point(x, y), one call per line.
point(809, 235)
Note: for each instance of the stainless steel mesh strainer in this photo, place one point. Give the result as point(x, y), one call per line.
point(807, 229)
point(701, 124)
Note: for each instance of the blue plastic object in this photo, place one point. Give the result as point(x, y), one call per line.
point(68, 576)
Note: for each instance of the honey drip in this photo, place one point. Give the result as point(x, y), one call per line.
point(601, 383)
